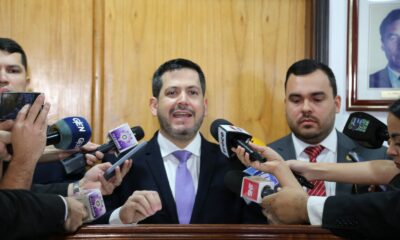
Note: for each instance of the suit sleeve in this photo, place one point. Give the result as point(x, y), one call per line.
point(26, 214)
point(371, 215)
point(52, 188)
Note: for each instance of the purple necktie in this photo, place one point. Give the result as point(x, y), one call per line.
point(184, 188)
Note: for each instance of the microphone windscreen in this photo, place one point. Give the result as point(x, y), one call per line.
point(74, 132)
point(233, 181)
point(366, 130)
point(139, 133)
point(215, 125)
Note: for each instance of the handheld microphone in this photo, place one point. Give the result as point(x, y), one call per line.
point(69, 133)
point(77, 161)
point(366, 130)
point(250, 188)
point(229, 136)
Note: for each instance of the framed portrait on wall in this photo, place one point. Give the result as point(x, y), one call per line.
point(373, 54)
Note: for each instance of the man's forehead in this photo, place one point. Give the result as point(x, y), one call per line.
point(10, 58)
point(180, 72)
point(180, 77)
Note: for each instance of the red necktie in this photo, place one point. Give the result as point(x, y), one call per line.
point(319, 185)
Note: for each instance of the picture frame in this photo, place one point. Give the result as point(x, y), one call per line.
point(366, 56)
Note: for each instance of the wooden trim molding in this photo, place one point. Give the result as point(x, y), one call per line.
point(200, 231)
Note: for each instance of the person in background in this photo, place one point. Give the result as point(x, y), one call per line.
point(14, 78)
point(369, 215)
point(311, 102)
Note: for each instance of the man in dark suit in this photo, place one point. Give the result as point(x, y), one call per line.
point(390, 39)
point(363, 216)
point(153, 191)
point(311, 102)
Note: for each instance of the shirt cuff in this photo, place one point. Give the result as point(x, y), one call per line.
point(315, 208)
point(114, 218)
point(66, 207)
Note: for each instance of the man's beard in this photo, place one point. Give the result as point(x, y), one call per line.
point(184, 134)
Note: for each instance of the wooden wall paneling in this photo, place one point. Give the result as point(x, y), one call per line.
point(96, 58)
point(244, 48)
point(97, 104)
point(57, 37)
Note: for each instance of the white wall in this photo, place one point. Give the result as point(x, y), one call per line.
point(337, 57)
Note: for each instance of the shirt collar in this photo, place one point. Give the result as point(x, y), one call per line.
point(167, 147)
point(330, 143)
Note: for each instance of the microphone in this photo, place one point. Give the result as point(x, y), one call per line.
point(78, 161)
point(93, 202)
point(366, 130)
point(251, 188)
point(229, 136)
point(69, 133)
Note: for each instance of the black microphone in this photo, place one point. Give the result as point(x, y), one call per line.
point(229, 136)
point(77, 161)
point(69, 133)
point(366, 130)
point(248, 187)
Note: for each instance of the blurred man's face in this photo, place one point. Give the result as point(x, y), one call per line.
point(310, 106)
point(391, 45)
point(13, 76)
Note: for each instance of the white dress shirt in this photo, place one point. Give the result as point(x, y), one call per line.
point(315, 204)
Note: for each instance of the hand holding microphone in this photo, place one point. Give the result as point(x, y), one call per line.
point(277, 204)
point(251, 188)
point(28, 134)
point(231, 137)
point(120, 137)
point(275, 164)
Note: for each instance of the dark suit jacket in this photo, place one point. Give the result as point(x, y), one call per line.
point(25, 214)
point(53, 188)
point(365, 216)
point(380, 79)
point(214, 203)
point(285, 148)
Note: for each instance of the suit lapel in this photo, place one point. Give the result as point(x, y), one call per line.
point(156, 165)
point(345, 145)
point(207, 165)
point(286, 148)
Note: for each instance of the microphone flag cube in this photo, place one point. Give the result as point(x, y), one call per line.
point(93, 202)
point(252, 188)
point(123, 137)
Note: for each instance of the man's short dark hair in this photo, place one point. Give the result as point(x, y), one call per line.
point(395, 108)
point(393, 16)
point(11, 46)
point(176, 64)
point(306, 66)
